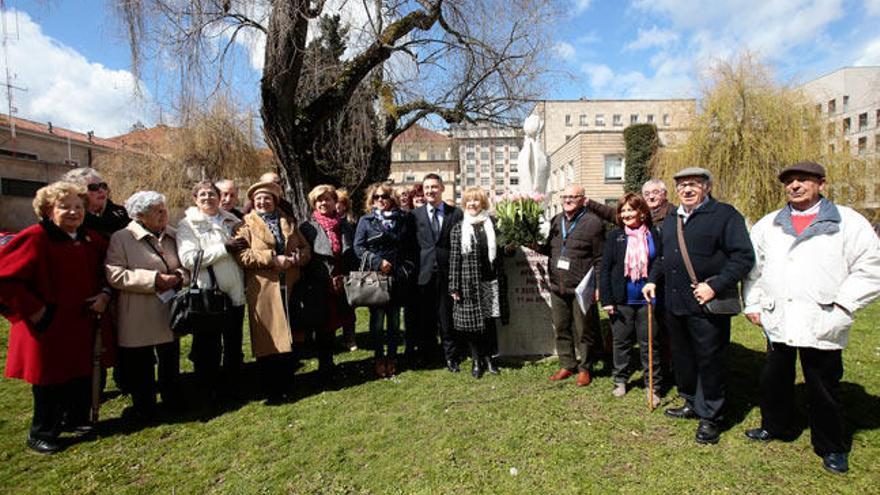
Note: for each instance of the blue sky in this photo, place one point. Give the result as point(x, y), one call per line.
point(74, 61)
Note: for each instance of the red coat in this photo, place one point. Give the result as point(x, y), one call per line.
point(43, 266)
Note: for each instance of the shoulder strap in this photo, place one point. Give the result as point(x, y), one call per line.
point(684, 251)
point(147, 240)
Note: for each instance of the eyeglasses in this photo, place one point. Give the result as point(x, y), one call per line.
point(649, 194)
point(572, 198)
point(381, 196)
point(98, 185)
point(681, 186)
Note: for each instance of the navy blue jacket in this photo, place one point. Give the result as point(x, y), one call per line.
point(719, 246)
point(612, 281)
point(434, 250)
point(397, 246)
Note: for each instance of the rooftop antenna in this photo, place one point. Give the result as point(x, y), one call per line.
point(6, 37)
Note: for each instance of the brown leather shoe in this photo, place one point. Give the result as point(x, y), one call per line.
point(390, 367)
point(380, 368)
point(583, 378)
point(562, 374)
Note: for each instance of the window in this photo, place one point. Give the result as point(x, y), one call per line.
point(650, 118)
point(634, 118)
point(583, 120)
point(499, 156)
point(410, 156)
point(617, 120)
point(499, 180)
point(600, 120)
point(613, 168)
point(409, 177)
point(484, 168)
point(666, 119)
point(484, 181)
point(514, 154)
point(19, 187)
point(470, 168)
point(471, 181)
point(863, 121)
point(832, 107)
point(567, 120)
point(863, 146)
point(499, 167)
point(514, 181)
point(611, 202)
point(484, 155)
point(470, 146)
point(877, 144)
point(513, 166)
point(847, 125)
point(19, 154)
point(471, 156)
point(569, 172)
point(845, 103)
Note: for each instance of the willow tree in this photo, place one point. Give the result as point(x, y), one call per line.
point(750, 127)
point(461, 60)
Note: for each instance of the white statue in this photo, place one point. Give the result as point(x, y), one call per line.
point(533, 169)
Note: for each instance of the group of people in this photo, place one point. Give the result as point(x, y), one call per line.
point(91, 268)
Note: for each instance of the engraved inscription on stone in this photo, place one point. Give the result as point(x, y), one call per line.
point(529, 331)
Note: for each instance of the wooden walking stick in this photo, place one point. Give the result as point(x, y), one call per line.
point(96, 371)
point(650, 356)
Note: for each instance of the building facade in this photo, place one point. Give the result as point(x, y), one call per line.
point(488, 157)
point(32, 155)
point(849, 101)
point(420, 151)
point(583, 140)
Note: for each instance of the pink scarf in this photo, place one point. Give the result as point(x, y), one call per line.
point(635, 265)
point(330, 224)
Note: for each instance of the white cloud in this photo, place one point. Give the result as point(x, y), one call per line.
point(564, 50)
point(67, 89)
point(600, 75)
point(872, 7)
point(870, 54)
point(654, 37)
point(580, 6)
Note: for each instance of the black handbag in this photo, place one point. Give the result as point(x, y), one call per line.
point(197, 309)
point(367, 288)
point(726, 302)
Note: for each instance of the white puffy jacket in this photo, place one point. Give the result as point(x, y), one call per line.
point(196, 231)
point(799, 283)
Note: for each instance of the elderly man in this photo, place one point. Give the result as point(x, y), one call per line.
point(817, 263)
point(574, 245)
point(229, 197)
point(654, 192)
point(716, 244)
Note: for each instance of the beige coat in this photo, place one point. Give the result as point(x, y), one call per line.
point(270, 331)
point(131, 268)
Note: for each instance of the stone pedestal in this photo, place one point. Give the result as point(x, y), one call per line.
point(530, 331)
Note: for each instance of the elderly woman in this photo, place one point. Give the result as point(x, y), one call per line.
point(51, 288)
point(103, 215)
point(404, 198)
point(629, 253)
point(142, 264)
point(331, 240)
point(475, 268)
point(208, 228)
point(343, 208)
point(272, 259)
point(385, 239)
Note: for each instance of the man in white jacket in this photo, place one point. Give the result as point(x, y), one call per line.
point(816, 264)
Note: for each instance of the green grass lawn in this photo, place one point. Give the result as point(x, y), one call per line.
point(432, 431)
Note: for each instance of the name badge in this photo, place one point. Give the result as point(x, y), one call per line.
point(563, 263)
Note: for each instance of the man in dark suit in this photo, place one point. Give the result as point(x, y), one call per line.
point(434, 222)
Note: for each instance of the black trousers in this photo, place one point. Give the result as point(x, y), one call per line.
point(57, 405)
point(577, 334)
point(276, 373)
point(411, 323)
point(223, 338)
point(699, 350)
point(822, 373)
point(139, 369)
point(437, 313)
point(629, 323)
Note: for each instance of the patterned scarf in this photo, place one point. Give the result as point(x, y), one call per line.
point(272, 221)
point(331, 225)
point(387, 218)
point(636, 263)
point(467, 232)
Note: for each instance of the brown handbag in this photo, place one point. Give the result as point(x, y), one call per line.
point(727, 302)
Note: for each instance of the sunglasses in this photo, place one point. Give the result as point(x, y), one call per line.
point(95, 187)
point(381, 196)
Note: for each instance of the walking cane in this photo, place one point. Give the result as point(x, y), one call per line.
point(96, 371)
point(650, 356)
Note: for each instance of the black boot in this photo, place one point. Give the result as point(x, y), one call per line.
point(477, 369)
point(491, 367)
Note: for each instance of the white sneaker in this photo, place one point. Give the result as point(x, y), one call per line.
point(619, 390)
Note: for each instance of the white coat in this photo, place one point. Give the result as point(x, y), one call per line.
point(196, 231)
point(800, 283)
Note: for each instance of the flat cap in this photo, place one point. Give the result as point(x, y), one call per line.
point(266, 187)
point(811, 168)
point(692, 172)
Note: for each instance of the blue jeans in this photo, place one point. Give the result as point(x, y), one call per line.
point(381, 336)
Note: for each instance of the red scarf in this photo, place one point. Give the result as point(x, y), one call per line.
point(330, 224)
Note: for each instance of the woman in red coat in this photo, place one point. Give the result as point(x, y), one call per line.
point(51, 288)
